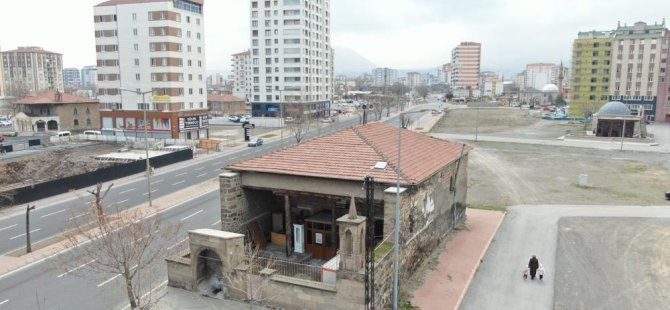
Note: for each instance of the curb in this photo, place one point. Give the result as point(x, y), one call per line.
point(474, 271)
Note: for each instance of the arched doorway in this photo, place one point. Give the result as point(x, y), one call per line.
point(40, 126)
point(52, 125)
point(209, 273)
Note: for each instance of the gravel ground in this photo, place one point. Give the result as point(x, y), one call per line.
point(627, 256)
point(503, 174)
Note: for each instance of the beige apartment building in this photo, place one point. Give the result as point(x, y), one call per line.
point(466, 65)
point(155, 48)
point(639, 74)
point(29, 70)
point(242, 74)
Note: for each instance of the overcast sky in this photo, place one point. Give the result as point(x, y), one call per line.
point(403, 34)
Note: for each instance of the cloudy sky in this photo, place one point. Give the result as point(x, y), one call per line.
point(403, 34)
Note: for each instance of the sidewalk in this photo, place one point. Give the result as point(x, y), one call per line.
point(445, 286)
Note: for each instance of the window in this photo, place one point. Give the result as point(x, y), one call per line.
point(135, 17)
point(75, 112)
point(136, 47)
point(137, 76)
point(76, 122)
point(88, 122)
point(135, 32)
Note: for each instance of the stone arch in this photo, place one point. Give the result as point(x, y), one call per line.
point(52, 125)
point(40, 126)
point(209, 272)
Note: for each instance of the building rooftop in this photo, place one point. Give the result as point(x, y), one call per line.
point(614, 108)
point(351, 155)
point(30, 49)
point(49, 97)
point(120, 2)
point(242, 53)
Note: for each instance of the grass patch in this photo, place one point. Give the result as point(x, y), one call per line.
point(382, 250)
point(636, 168)
point(488, 207)
point(270, 135)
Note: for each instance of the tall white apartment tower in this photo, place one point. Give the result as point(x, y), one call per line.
point(242, 74)
point(291, 56)
point(155, 46)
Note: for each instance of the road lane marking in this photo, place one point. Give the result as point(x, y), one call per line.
point(201, 175)
point(157, 181)
point(216, 223)
point(122, 201)
point(233, 158)
point(178, 183)
point(77, 216)
point(8, 227)
point(176, 244)
point(185, 173)
point(52, 213)
point(198, 169)
point(75, 269)
point(127, 191)
point(23, 234)
point(109, 280)
point(4, 302)
point(192, 215)
point(153, 191)
point(114, 277)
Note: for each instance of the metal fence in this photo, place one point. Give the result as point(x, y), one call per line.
point(287, 268)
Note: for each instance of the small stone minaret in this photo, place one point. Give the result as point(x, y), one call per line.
point(352, 239)
point(560, 81)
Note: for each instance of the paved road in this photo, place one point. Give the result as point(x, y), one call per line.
point(44, 286)
point(529, 230)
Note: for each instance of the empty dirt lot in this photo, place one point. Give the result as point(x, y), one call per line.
point(504, 174)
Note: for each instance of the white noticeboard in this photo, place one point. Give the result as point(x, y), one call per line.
point(298, 238)
point(318, 238)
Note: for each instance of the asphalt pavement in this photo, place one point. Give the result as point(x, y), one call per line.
point(526, 231)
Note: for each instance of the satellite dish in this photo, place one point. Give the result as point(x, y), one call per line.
point(371, 107)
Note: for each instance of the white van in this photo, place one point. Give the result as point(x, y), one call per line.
point(64, 134)
point(92, 132)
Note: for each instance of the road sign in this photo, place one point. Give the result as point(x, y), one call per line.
point(160, 98)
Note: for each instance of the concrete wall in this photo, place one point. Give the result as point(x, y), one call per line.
point(179, 272)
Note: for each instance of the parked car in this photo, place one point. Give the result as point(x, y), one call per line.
point(92, 132)
point(435, 112)
point(64, 133)
point(327, 120)
point(244, 119)
point(5, 123)
point(289, 119)
point(256, 142)
point(234, 118)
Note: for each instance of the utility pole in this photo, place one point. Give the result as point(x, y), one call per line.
point(146, 140)
point(28, 245)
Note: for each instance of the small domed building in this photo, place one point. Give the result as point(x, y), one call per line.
point(613, 117)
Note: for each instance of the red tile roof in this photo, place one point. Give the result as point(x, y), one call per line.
point(223, 98)
point(351, 154)
point(49, 97)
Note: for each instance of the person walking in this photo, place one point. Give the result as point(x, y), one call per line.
point(533, 264)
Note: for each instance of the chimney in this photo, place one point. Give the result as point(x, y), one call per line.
point(58, 96)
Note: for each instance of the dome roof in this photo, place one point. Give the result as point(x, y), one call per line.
point(614, 108)
point(549, 88)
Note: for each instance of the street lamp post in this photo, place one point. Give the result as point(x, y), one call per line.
point(477, 125)
point(623, 133)
point(146, 140)
point(396, 230)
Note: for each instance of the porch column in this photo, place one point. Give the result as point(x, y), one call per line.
point(289, 225)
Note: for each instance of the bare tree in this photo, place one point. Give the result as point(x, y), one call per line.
point(124, 244)
point(250, 279)
point(300, 125)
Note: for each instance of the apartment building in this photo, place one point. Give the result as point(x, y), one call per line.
point(466, 63)
point(291, 57)
point(384, 77)
point(71, 78)
point(29, 70)
point(639, 69)
point(538, 75)
point(591, 69)
point(447, 69)
point(414, 79)
point(156, 48)
point(491, 84)
point(89, 77)
point(242, 74)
